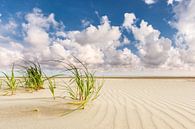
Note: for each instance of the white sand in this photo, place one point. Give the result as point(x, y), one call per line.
point(123, 104)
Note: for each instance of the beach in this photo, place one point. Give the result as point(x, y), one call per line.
point(124, 103)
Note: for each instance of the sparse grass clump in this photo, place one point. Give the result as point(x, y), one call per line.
point(52, 86)
point(1, 84)
point(83, 86)
point(34, 77)
point(11, 81)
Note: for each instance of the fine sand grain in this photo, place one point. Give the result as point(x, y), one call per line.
point(123, 104)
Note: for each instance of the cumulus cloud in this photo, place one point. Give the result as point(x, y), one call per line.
point(122, 57)
point(174, 61)
point(37, 18)
point(184, 23)
point(152, 49)
point(37, 37)
point(95, 45)
point(37, 27)
point(98, 45)
point(91, 54)
point(129, 19)
point(102, 46)
point(9, 56)
point(10, 51)
point(103, 36)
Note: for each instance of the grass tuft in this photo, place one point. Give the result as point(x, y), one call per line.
point(83, 86)
point(52, 86)
point(34, 77)
point(11, 81)
point(1, 84)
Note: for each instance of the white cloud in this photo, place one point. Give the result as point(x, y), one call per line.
point(126, 40)
point(4, 39)
point(174, 61)
point(170, 2)
point(103, 46)
point(16, 46)
point(143, 32)
point(90, 54)
point(60, 34)
point(98, 45)
point(37, 37)
point(184, 23)
point(122, 58)
point(85, 23)
point(37, 27)
point(9, 56)
point(150, 1)
point(129, 19)
point(37, 18)
point(102, 36)
point(152, 49)
point(8, 28)
point(58, 51)
point(11, 25)
point(10, 51)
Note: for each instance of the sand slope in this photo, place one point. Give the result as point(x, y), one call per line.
point(123, 104)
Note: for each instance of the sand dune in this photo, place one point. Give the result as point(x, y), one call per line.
point(123, 104)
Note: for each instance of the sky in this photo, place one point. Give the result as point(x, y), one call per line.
point(130, 37)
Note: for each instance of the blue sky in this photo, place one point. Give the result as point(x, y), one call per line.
point(72, 12)
point(132, 35)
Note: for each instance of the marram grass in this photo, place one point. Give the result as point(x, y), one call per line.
point(1, 84)
point(52, 86)
point(34, 77)
point(83, 86)
point(11, 81)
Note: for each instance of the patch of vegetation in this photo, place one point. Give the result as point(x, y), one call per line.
point(52, 86)
point(83, 86)
point(0, 84)
point(33, 77)
point(11, 81)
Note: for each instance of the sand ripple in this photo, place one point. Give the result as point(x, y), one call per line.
point(123, 104)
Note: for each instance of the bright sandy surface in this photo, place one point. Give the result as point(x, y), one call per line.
point(123, 104)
